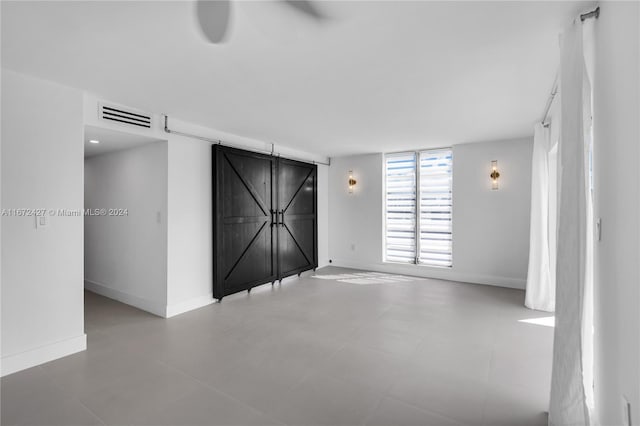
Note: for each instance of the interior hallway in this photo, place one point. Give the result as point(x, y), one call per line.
point(307, 352)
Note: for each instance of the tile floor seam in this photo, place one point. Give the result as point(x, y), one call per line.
point(92, 413)
point(458, 422)
point(373, 410)
point(384, 390)
point(489, 381)
point(438, 412)
point(211, 387)
point(70, 397)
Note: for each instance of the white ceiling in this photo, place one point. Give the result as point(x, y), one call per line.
point(111, 140)
point(375, 76)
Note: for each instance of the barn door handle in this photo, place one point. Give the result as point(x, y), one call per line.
point(274, 220)
point(281, 217)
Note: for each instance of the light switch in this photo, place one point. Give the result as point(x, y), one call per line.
point(42, 222)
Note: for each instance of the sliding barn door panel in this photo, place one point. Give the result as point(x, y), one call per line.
point(297, 203)
point(244, 237)
point(264, 219)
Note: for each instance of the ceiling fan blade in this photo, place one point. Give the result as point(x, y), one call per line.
point(306, 7)
point(213, 17)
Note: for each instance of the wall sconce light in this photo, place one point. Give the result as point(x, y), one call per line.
point(494, 174)
point(352, 182)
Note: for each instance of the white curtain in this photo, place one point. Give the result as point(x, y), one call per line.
point(571, 383)
point(541, 292)
point(588, 294)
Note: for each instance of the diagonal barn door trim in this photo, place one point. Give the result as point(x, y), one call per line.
point(298, 245)
point(255, 237)
point(249, 186)
point(293, 197)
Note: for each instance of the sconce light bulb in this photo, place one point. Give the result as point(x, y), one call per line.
point(351, 182)
point(494, 174)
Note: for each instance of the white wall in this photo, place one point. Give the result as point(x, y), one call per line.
point(490, 228)
point(323, 215)
point(190, 266)
point(355, 220)
point(126, 256)
point(42, 271)
point(617, 202)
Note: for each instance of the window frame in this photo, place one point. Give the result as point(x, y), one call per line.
point(417, 213)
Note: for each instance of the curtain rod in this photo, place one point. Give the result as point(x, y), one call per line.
point(554, 91)
point(232, 145)
point(552, 95)
point(593, 14)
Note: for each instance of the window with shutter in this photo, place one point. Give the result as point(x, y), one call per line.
point(435, 245)
point(400, 208)
point(419, 232)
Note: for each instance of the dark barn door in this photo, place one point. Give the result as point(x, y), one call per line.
point(297, 206)
point(244, 234)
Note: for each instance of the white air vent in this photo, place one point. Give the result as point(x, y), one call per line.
point(126, 116)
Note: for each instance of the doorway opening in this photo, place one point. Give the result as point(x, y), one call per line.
point(125, 228)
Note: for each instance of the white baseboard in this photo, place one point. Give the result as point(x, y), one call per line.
point(188, 305)
point(435, 273)
point(13, 363)
point(139, 302)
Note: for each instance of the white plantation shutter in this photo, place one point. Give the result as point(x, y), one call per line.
point(435, 244)
point(400, 208)
point(431, 172)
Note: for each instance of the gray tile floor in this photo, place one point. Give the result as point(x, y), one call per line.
point(307, 352)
